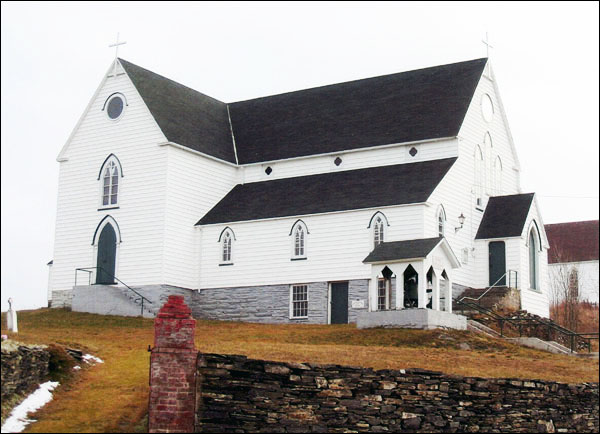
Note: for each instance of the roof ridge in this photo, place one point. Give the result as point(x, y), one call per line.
point(361, 79)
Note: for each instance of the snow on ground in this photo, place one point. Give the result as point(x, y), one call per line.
point(17, 421)
point(92, 359)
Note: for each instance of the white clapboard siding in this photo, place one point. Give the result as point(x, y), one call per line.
point(351, 160)
point(457, 191)
point(134, 139)
point(536, 302)
point(587, 279)
point(336, 245)
point(195, 184)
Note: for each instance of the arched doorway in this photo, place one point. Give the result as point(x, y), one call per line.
point(107, 254)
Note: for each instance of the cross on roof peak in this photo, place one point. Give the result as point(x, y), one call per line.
point(116, 45)
point(487, 45)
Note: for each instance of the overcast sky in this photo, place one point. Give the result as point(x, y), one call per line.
point(545, 58)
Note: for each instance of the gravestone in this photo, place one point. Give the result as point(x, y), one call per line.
point(11, 318)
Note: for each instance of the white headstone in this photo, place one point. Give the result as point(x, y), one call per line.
point(11, 317)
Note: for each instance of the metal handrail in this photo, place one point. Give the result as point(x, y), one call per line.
point(493, 286)
point(517, 322)
point(90, 272)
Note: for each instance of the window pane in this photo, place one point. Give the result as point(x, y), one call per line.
point(113, 199)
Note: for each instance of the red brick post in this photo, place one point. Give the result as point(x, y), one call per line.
point(173, 369)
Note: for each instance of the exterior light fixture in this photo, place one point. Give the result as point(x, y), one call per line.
point(461, 220)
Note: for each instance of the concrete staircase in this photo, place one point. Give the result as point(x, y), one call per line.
point(110, 300)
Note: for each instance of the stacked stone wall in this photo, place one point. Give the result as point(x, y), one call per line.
point(23, 367)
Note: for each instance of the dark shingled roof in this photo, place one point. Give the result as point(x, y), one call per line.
point(417, 105)
point(572, 242)
point(504, 216)
point(186, 117)
point(423, 104)
point(327, 192)
point(398, 250)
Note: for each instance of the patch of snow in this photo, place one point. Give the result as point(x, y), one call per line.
point(77, 367)
point(92, 359)
point(17, 421)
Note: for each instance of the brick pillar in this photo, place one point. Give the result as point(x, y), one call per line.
point(173, 369)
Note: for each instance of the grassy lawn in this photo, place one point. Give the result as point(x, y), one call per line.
point(113, 397)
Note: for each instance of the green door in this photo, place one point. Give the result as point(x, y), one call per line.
point(339, 303)
point(107, 249)
point(497, 253)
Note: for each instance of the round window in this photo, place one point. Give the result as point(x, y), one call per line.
point(115, 107)
point(487, 108)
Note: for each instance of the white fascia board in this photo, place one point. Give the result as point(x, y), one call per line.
point(297, 216)
point(449, 252)
point(505, 119)
point(396, 261)
point(350, 151)
point(61, 156)
point(542, 228)
point(193, 151)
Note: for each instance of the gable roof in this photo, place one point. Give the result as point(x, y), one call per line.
point(327, 192)
point(398, 250)
point(186, 117)
point(572, 242)
point(505, 216)
point(424, 104)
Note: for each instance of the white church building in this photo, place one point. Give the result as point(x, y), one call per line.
point(385, 193)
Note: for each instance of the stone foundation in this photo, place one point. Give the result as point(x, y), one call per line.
point(23, 367)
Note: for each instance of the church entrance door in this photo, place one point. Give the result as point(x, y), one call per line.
point(339, 303)
point(497, 255)
point(107, 253)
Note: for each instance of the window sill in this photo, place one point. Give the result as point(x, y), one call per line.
point(298, 259)
point(535, 290)
point(298, 318)
point(225, 264)
point(105, 208)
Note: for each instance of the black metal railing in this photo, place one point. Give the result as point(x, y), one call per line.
point(90, 271)
point(513, 277)
point(571, 338)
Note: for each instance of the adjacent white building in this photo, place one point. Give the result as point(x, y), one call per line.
point(573, 260)
point(310, 206)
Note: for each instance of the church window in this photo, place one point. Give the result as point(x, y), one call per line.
point(497, 176)
point(299, 242)
point(533, 260)
point(226, 247)
point(110, 183)
point(115, 106)
point(487, 107)
point(299, 301)
point(383, 292)
point(479, 176)
point(441, 219)
point(378, 231)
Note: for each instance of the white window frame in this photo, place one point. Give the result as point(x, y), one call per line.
point(388, 288)
point(299, 226)
point(117, 166)
point(441, 221)
point(378, 231)
point(479, 177)
point(227, 235)
point(107, 102)
point(291, 306)
point(497, 175)
point(536, 259)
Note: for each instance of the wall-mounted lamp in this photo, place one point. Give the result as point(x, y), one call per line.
point(461, 220)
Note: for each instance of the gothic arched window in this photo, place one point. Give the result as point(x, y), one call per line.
point(378, 231)
point(109, 177)
point(533, 260)
point(226, 247)
point(441, 221)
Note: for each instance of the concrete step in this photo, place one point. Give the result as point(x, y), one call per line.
point(480, 328)
point(539, 344)
point(107, 300)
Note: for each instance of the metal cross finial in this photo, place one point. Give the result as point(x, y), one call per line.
point(487, 45)
point(116, 45)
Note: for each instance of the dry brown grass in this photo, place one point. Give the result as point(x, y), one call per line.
point(113, 397)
